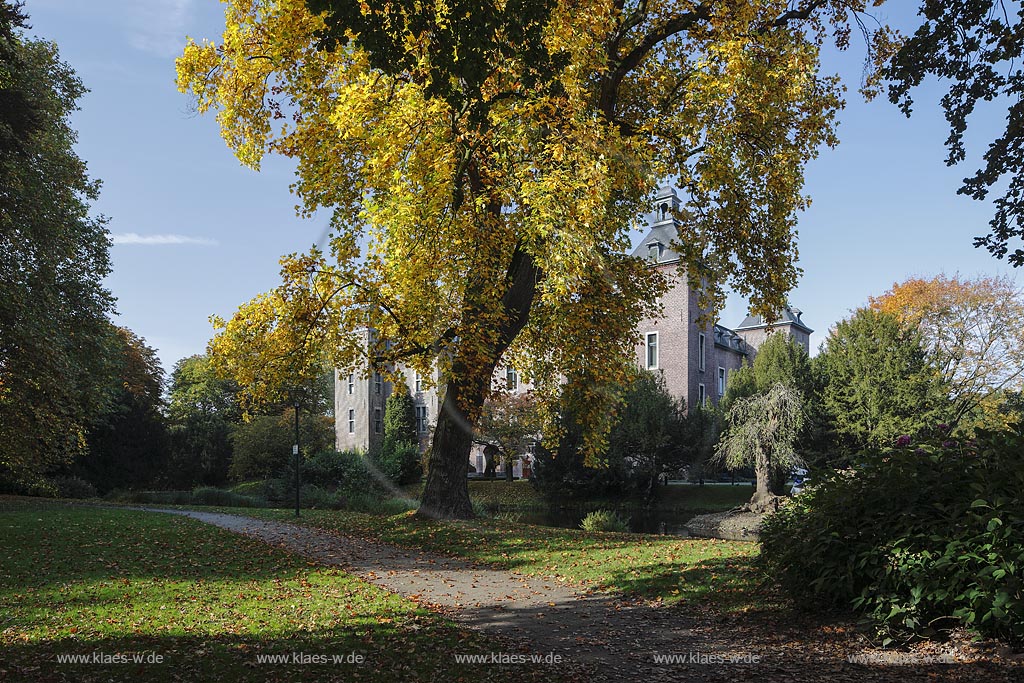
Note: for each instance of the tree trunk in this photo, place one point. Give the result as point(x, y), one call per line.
point(446, 493)
point(764, 499)
point(490, 454)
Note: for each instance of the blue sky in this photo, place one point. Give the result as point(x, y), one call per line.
point(197, 234)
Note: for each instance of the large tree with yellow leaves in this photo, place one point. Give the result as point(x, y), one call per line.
point(485, 163)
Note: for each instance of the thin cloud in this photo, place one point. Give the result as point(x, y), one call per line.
point(158, 26)
point(159, 240)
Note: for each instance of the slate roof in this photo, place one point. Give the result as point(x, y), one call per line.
point(662, 234)
point(789, 316)
point(728, 339)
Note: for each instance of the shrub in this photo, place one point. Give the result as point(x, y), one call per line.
point(73, 487)
point(399, 461)
point(251, 488)
point(207, 495)
point(918, 540)
point(150, 497)
point(346, 470)
point(604, 520)
point(262, 446)
point(317, 498)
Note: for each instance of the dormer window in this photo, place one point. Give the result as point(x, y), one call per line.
point(654, 251)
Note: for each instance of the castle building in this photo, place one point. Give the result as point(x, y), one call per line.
point(696, 361)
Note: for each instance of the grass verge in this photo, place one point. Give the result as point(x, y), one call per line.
point(696, 572)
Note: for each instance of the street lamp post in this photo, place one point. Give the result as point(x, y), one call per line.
point(295, 453)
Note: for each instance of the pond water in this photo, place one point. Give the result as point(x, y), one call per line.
point(641, 521)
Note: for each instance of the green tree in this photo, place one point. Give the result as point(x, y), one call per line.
point(400, 418)
point(879, 382)
point(761, 431)
point(57, 348)
point(127, 442)
point(262, 446)
point(778, 359)
point(781, 359)
point(977, 46)
point(496, 155)
point(398, 456)
point(196, 389)
point(203, 409)
point(646, 440)
point(509, 425)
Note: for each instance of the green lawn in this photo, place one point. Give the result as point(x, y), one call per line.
point(698, 572)
point(112, 584)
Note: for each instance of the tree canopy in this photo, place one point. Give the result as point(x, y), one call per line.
point(127, 442)
point(974, 330)
point(196, 389)
point(57, 347)
point(778, 359)
point(975, 45)
point(493, 160)
point(651, 436)
point(879, 382)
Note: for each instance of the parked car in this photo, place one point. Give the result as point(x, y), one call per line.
point(800, 480)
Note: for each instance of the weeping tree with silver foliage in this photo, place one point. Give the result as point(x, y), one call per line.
point(761, 431)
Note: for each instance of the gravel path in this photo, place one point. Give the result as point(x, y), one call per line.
point(615, 639)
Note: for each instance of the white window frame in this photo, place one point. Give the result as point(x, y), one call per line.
point(721, 381)
point(647, 350)
point(511, 379)
point(351, 383)
point(417, 382)
point(701, 351)
point(351, 421)
point(702, 395)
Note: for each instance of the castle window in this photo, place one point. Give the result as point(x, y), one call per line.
point(721, 381)
point(351, 421)
point(378, 423)
point(702, 396)
point(654, 251)
point(351, 383)
point(421, 419)
point(378, 383)
point(418, 382)
point(700, 351)
point(652, 350)
point(664, 210)
point(512, 379)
